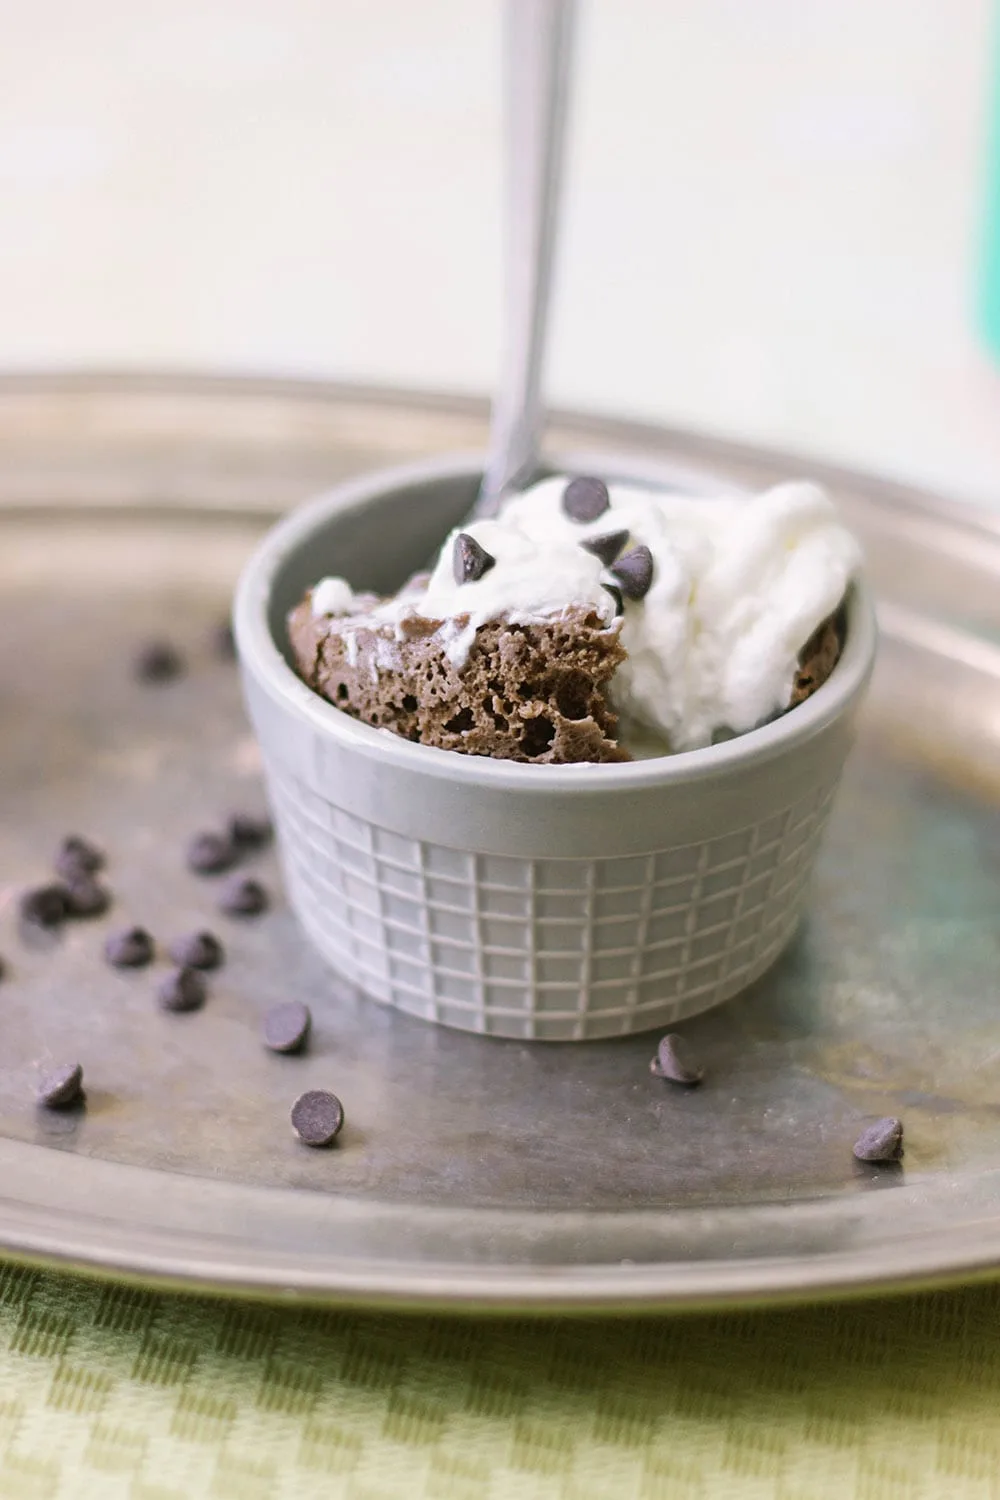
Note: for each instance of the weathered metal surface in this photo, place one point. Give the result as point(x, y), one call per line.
point(470, 1171)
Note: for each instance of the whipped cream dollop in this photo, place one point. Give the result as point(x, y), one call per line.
point(713, 629)
point(525, 583)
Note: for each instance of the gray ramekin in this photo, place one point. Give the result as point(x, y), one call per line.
point(543, 902)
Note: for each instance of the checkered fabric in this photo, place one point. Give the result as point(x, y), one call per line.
point(119, 1394)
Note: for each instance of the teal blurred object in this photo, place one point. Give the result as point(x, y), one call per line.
point(990, 301)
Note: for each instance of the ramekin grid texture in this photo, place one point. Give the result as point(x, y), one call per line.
point(546, 949)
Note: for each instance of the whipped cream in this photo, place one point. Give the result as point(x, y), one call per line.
point(526, 584)
point(333, 596)
point(739, 584)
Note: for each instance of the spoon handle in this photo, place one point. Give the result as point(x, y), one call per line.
point(538, 46)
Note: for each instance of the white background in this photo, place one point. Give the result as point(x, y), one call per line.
point(771, 225)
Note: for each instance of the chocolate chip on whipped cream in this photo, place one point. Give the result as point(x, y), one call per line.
point(469, 560)
point(634, 572)
point(585, 498)
point(606, 547)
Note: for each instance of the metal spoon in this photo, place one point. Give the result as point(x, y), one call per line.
point(538, 46)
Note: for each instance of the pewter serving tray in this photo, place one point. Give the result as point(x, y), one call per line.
point(471, 1172)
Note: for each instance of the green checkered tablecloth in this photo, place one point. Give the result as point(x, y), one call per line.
point(110, 1392)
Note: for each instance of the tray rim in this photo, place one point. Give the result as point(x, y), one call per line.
point(192, 1263)
point(699, 444)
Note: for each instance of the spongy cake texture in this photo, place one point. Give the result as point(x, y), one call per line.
point(530, 692)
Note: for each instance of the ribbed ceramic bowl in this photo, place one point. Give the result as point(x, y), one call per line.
point(544, 902)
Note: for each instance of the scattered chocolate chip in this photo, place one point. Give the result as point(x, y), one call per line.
point(616, 595)
point(78, 856)
point(132, 948)
point(45, 906)
point(61, 1087)
point(158, 662)
point(584, 499)
point(3, 967)
point(317, 1117)
point(182, 989)
point(197, 950)
point(674, 1062)
point(248, 831)
point(210, 854)
point(224, 642)
point(606, 547)
point(470, 561)
point(634, 571)
point(243, 897)
point(86, 897)
point(286, 1027)
point(882, 1141)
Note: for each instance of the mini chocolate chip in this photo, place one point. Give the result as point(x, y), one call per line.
point(616, 595)
point(61, 1087)
point(45, 906)
point(606, 547)
point(210, 854)
point(78, 856)
point(248, 831)
point(286, 1027)
point(197, 950)
point(882, 1141)
point(132, 948)
point(585, 498)
point(224, 642)
point(317, 1117)
point(243, 897)
point(674, 1062)
point(634, 571)
point(158, 661)
point(470, 561)
point(182, 989)
point(86, 897)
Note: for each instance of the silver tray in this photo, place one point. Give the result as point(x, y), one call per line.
point(471, 1173)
